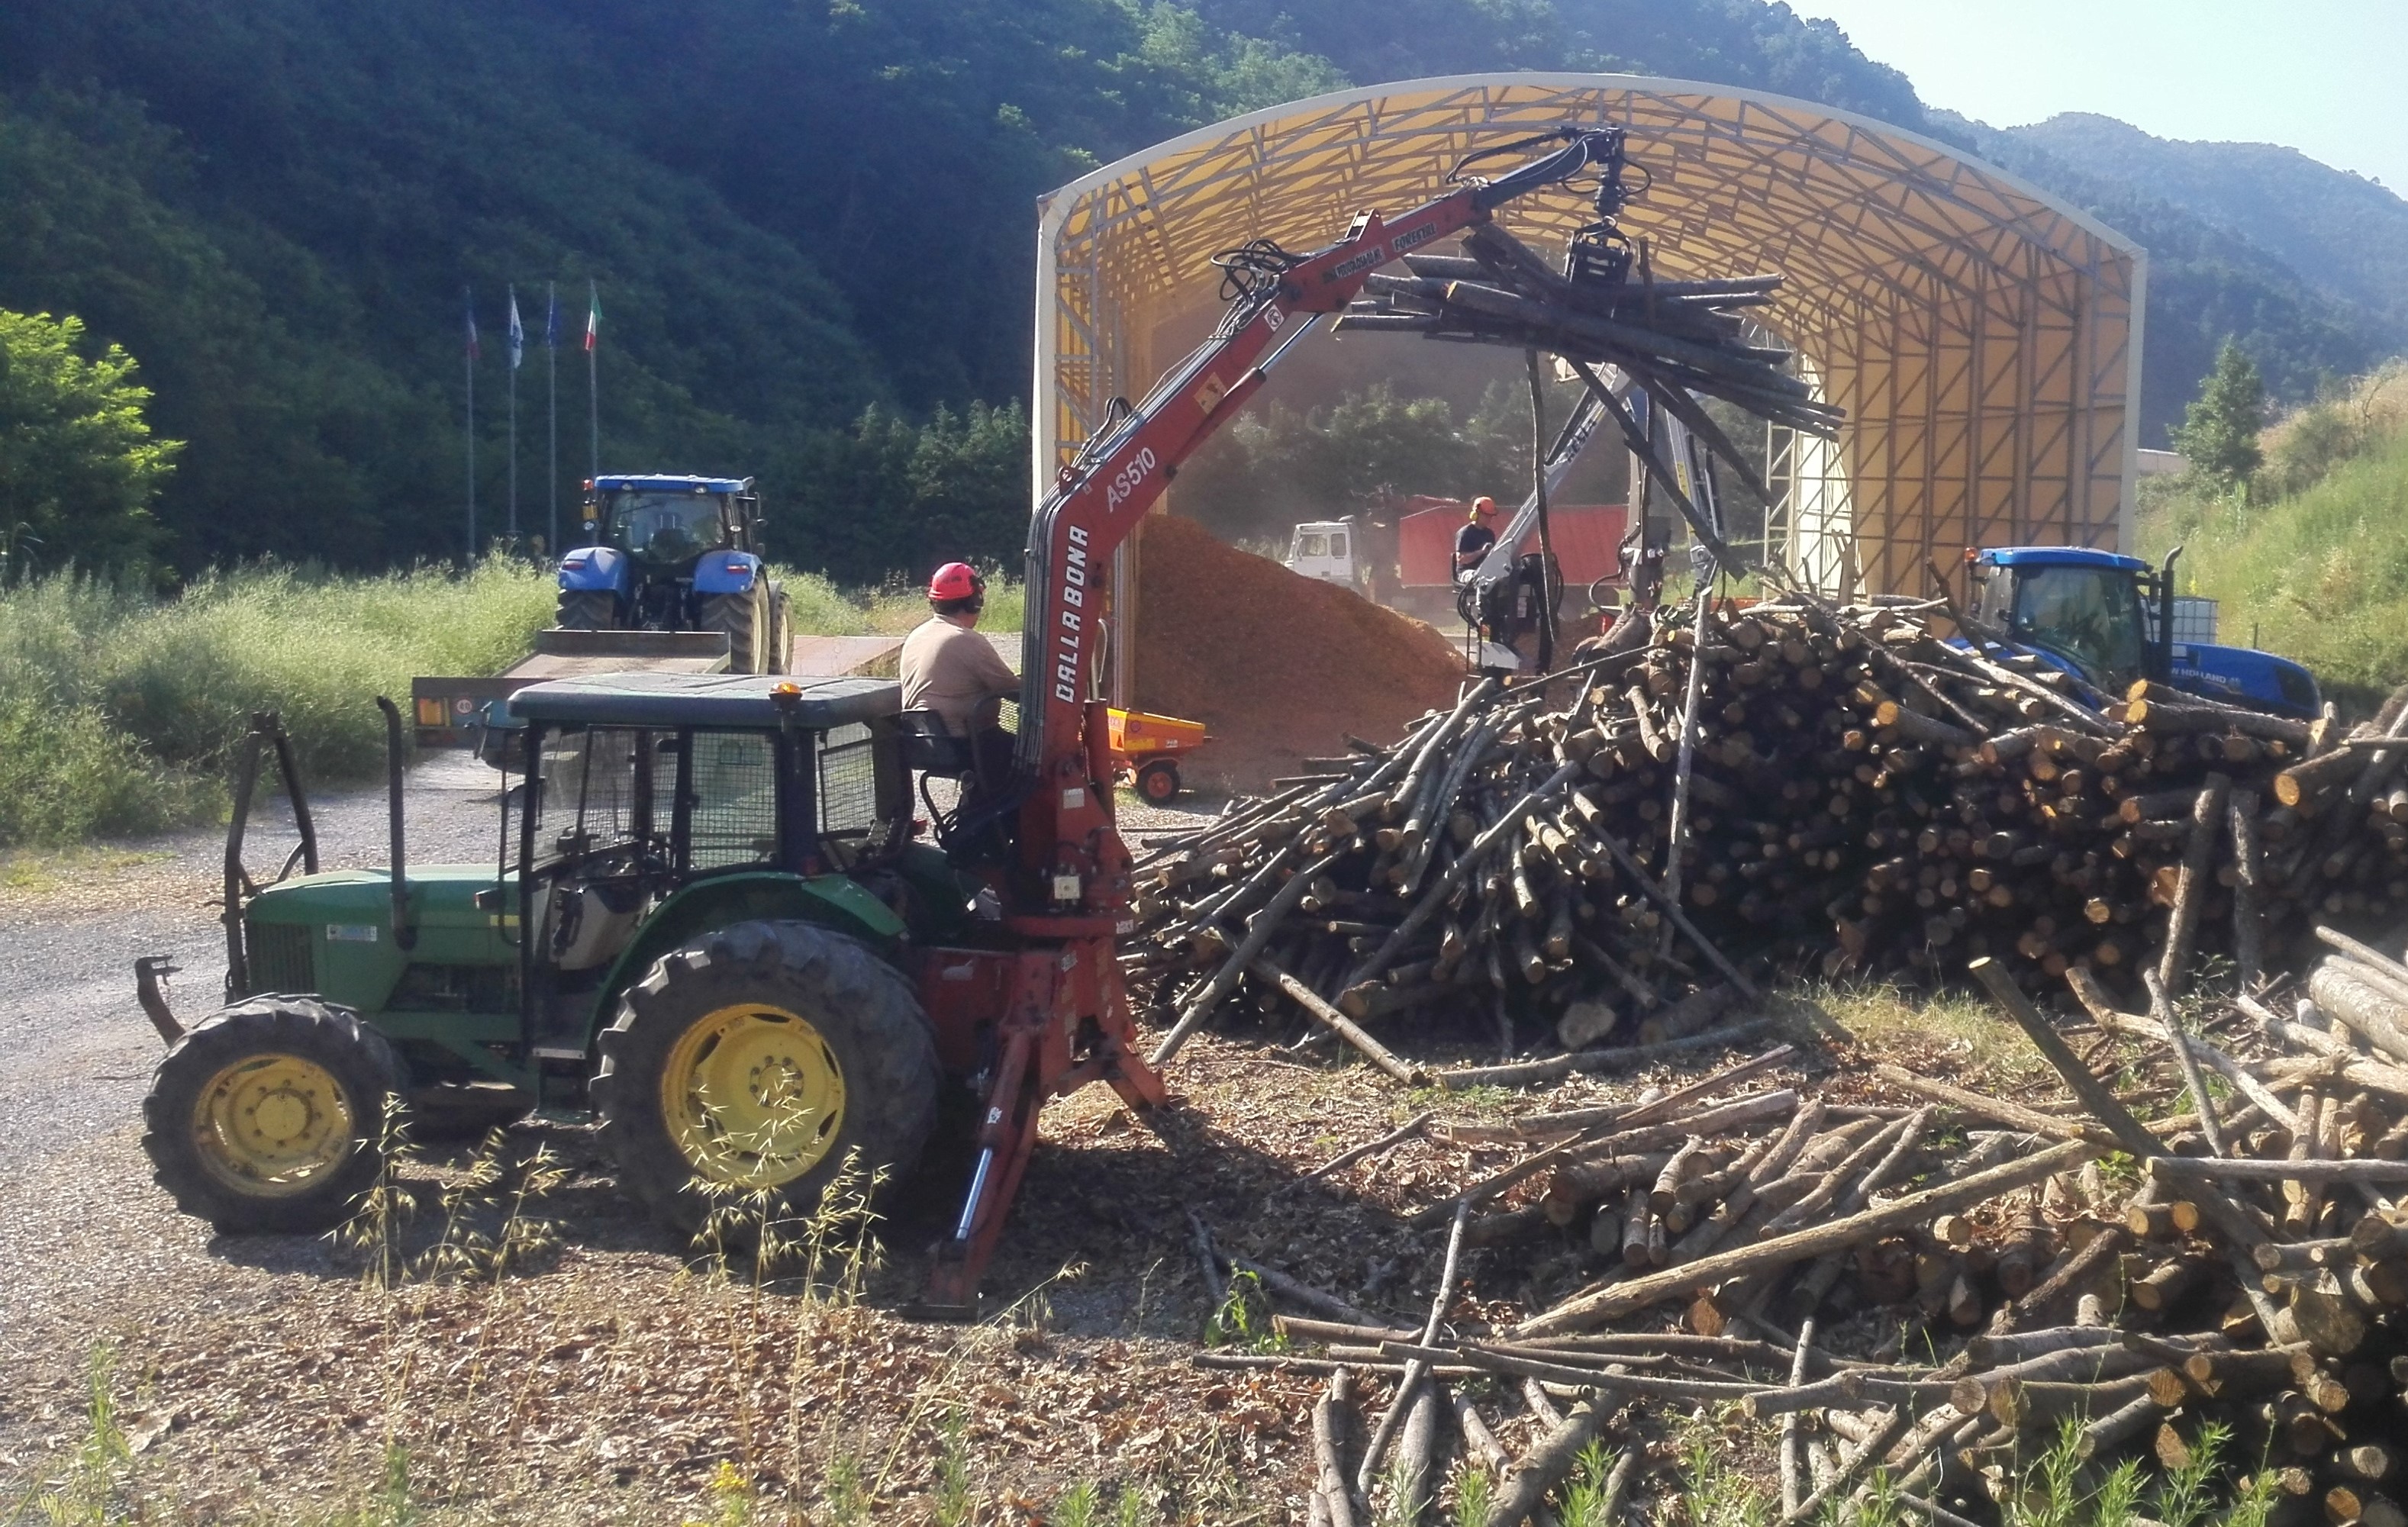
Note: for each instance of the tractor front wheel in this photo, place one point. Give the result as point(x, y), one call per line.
point(759, 1060)
point(742, 616)
point(587, 609)
point(269, 1115)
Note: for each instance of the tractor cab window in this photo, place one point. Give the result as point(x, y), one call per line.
point(1313, 543)
point(863, 795)
point(2091, 615)
point(591, 795)
point(732, 800)
point(666, 527)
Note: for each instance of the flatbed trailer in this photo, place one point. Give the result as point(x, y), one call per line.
point(452, 712)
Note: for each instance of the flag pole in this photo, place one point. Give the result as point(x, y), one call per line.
point(552, 406)
point(593, 389)
point(517, 335)
point(468, 302)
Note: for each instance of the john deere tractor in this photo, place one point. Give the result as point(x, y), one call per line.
point(699, 929)
point(710, 923)
point(677, 553)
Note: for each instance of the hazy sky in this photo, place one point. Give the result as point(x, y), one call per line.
point(2329, 77)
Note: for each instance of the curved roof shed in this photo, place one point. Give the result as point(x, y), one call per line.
point(1983, 337)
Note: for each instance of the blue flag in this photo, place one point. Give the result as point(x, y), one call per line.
point(468, 306)
point(517, 333)
point(551, 316)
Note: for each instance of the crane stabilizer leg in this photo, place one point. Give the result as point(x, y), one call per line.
point(1067, 1024)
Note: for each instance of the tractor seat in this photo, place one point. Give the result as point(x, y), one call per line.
point(929, 748)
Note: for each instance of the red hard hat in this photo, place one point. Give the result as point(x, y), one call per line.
point(956, 580)
point(1483, 504)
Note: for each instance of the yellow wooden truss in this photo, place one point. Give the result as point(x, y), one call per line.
point(1984, 337)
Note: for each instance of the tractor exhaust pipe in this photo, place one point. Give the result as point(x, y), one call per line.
point(403, 935)
point(2164, 656)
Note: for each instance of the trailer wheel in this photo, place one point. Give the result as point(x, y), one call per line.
point(757, 1060)
point(587, 609)
point(1158, 781)
point(739, 614)
point(267, 1116)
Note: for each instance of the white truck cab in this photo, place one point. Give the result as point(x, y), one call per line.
point(1325, 549)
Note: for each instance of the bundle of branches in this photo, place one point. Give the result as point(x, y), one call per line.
point(1808, 786)
point(1683, 336)
point(2255, 1282)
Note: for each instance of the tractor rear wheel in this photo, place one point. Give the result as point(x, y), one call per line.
point(782, 631)
point(268, 1116)
point(587, 609)
point(759, 1059)
point(741, 616)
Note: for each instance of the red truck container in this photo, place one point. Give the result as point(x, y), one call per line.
point(1586, 536)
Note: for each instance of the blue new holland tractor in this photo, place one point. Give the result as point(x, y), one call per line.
point(677, 553)
point(2112, 621)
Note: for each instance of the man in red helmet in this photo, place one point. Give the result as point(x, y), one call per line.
point(948, 669)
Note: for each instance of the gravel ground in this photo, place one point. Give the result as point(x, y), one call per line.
point(84, 1236)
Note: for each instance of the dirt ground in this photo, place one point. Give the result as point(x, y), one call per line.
point(618, 1377)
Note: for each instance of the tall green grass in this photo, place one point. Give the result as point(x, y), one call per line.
point(2312, 561)
point(824, 609)
point(119, 709)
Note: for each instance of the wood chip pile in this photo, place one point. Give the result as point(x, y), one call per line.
point(1926, 1296)
point(1850, 793)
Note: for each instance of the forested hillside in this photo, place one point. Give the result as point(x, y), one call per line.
point(2343, 232)
point(809, 224)
point(2206, 282)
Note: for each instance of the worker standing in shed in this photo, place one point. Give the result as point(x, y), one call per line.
point(948, 669)
point(1477, 537)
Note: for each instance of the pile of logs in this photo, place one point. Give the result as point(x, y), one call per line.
point(1620, 848)
point(2242, 1265)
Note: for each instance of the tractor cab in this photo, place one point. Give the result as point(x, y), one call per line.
point(661, 803)
point(2111, 620)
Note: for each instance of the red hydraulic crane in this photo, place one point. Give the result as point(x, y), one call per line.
point(1065, 1019)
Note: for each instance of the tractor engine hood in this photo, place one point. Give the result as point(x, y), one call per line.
point(331, 934)
point(440, 896)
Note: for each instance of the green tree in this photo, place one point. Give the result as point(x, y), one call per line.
point(2219, 431)
point(78, 466)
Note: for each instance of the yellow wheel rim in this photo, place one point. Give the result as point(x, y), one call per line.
point(272, 1125)
point(753, 1096)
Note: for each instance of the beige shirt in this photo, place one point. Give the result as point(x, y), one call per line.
point(956, 673)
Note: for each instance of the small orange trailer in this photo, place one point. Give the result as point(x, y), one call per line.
point(1149, 747)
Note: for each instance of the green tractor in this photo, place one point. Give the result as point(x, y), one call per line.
point(709, 923)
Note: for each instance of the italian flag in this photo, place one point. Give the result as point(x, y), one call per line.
point(593, 317)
